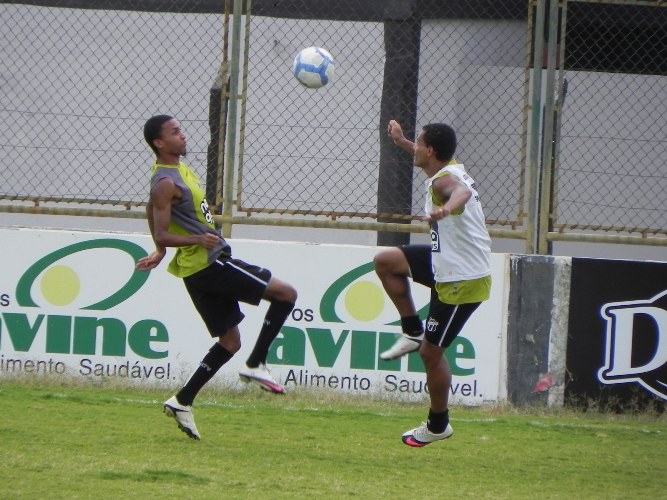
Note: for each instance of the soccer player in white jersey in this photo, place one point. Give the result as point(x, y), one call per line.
point(456, 267)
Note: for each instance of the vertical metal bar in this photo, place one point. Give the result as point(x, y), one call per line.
point(538, 48)
point(228, 200)
point(547, 150)
point(224, 97)
point(525, 112)
point(244, 104)
point(562, 86)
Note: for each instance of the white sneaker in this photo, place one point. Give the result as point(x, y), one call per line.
point(183, 415)
point(262, 377)
point(403, 345)
point(421, 436)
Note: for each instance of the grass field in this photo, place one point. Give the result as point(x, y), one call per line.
point(63, 441)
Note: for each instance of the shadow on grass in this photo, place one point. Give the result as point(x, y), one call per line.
point(154, 476)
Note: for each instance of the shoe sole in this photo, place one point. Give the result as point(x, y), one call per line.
point(414, 443)
point(263, 384)
point(170, 412)
point(399, 355)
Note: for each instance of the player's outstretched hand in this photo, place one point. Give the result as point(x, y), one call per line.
point(437, 214)
point(209, 240)
point(150, 261)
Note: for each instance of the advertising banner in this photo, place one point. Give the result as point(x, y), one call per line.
point(71, 303)
point(617, 344)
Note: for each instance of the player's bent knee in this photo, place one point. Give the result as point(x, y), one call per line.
point(391, 261)
point(279, 290)
point(231, 340)
point(431, 354)
point(290, 294)
point(382, 262)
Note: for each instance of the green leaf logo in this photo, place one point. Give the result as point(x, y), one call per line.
point(364, 300)
point(60, 284)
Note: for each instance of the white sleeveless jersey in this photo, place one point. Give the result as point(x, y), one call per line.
point(460, 244)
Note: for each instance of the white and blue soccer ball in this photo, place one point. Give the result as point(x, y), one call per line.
point(313, 67)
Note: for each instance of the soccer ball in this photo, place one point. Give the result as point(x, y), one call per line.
point(313, 67)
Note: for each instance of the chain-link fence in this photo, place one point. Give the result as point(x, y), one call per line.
point(612, 174)
point(77, 86)
point(80, 78)
point(326, 152)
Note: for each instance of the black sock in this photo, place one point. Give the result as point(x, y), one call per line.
point(273, 322)
point(412, 326)
point(214, 359)
point(437, 422)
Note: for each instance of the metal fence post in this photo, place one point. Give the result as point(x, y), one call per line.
point(228, 205)
point(546, 175)
point(536, 107)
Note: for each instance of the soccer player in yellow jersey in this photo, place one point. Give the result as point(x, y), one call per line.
point(456, 267)
point(179, 216)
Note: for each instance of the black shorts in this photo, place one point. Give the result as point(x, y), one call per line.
point(444, 321)
point(419, 260)
point(217, 290)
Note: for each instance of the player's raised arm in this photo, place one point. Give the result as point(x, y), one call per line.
point(395, 132)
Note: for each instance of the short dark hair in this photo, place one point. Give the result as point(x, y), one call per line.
point(153, 129)
point(442, 139)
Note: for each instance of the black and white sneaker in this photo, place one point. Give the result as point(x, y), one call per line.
point(403, 345)
point(183, 416)
point(262, 377)
point(421, 436)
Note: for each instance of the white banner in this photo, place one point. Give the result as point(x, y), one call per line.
point(71, 303)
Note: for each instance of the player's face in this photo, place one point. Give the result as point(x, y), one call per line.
point(422, 151)
point(172, 139)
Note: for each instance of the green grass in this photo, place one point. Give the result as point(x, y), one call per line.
point(65, 441)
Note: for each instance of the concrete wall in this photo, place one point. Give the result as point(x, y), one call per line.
point(537, 329)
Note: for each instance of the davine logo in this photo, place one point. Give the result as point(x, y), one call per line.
point(636, 344)
point(358, 296)
point(55, 280)
point(352, 309)
point(60, 284)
